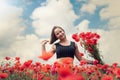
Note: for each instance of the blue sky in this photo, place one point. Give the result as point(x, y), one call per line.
point(24, 23)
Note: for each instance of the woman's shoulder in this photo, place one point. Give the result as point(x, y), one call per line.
point(56, 43)
point(72, 42)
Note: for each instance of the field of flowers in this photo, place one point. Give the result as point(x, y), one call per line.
point(38, 71)
point(13, 69)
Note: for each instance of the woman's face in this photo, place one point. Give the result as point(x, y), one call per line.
point(59, 33)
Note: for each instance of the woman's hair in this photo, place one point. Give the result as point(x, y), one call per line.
point(53, 37)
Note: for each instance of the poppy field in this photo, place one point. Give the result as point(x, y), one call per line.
point(38, 71)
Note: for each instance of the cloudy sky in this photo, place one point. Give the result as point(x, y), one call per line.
point(24, 23)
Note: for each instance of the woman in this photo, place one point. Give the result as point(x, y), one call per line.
point(65, 50)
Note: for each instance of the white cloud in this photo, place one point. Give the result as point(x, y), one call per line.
point(27, 2)
point(83, 26)
point(109, 42)
point(114, 23)
point(10, 24)
point(27, 47)
point(109, 45)
point(53, 13)
point(110, 39)
point(90, 8)
point(110, 12)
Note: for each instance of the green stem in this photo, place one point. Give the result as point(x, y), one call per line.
point(96, 54)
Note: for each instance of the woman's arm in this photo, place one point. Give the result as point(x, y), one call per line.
point(77, 54)
point(47, 54)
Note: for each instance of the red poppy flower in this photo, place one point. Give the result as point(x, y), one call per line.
point(46, 55)
point(95, 62)
point(3, 75)
point(117, 71)
point(27, 63)
point(73, 77)
point(76, 37)
point(83, 62)
point(64, 71)
point(82, 35)
point(107, 77)
point(7, 58)
point(114, 64)
point(81, 54)
point(17, 58)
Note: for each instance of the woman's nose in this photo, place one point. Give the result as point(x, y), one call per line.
point(60, 34)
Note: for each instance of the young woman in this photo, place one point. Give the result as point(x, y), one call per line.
point(65, 50)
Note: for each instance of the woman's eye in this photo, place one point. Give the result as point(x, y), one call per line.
point(60, 31)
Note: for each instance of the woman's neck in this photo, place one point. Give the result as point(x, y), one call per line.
point(63, 41)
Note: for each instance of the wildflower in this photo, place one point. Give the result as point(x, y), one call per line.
point(107, 77)
point(83, 62)
point(117, 72)
point(3, 75)
point(27, 63)
point(53, 70)
point(17, 58)
point(81, 54)
point(47, 78)
point(38, 63)
point(40, 76)
point(82, 35)
point(64, 71)
point(95, 62)
point(89, 42)
point(7, 58)
point(74, 77)
point(76, 37)
point(46, 55)
point(114, 65)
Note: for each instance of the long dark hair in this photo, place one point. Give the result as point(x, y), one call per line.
point(53, 37)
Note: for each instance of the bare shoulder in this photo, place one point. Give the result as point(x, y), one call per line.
point(76, 45)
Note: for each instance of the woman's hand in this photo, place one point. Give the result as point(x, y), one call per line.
point(44, 42)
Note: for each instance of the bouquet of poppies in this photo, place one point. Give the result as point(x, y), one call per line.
point(89, 41)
